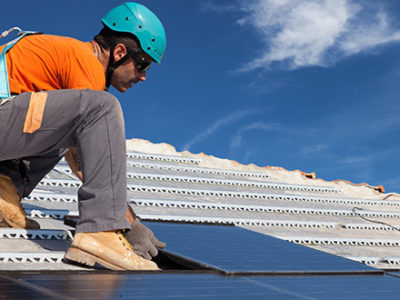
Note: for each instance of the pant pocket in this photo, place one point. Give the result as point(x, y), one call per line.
point(34, 115)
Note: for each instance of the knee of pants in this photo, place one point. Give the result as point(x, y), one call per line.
point(100, 103)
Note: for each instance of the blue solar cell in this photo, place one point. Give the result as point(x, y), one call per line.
point(237, 250)
point(332, 287)
point(210, 286)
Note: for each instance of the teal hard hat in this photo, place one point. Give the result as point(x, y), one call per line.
point(138, 20)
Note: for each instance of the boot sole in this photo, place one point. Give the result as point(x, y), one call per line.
point(82, 257)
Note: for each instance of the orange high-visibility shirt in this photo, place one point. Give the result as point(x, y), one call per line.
point(47, 62)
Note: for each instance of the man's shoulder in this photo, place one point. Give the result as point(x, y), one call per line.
point(55, 40)
point(60, 47)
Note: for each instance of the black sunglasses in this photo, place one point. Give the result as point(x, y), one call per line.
point(142, 65)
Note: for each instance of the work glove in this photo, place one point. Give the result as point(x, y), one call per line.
point(142, 239)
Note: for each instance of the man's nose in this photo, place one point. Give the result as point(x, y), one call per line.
point(142, 76)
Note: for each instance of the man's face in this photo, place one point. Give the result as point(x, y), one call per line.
point(128, 74)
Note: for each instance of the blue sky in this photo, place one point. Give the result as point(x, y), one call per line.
point(301, 84)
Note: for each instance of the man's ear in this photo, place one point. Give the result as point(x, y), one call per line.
point(119, 51)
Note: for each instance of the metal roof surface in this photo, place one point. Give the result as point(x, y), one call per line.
point(163, 185)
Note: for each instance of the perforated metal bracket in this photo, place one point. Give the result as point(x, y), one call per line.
point(260, 208)
point(32, 257)
point(60, 183)
point(265, 222)
point(342, 241)
point(393, 261)
point(50, 213)
point(229, 207)
point(262, 196)
point(374, 260)
point(366, 260)
point(159, 157)
point(31, 234)
point(240, 183)
point(198, 170)
point(44, 197)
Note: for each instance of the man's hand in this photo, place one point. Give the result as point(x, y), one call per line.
point(143, 241)
point(74, 162)
point(141, 238)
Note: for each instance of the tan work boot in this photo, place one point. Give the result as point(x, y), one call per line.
point(107, 248)
point(12, 214)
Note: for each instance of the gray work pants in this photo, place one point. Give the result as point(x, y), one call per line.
point(90, 120)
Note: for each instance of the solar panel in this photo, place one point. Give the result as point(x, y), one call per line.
point(234, 250)
point(205, 286)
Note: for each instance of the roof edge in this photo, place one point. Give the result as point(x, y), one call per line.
point(224, 163)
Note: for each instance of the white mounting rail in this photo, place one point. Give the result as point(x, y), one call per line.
point(32, 257)
point(391, 260)
point(198, 170)
point(34, 234)
point(198, 205)
point(240, 183)
point(342, 241)
point(375, 260)
point(366, 260)
point(262, 196)
point(265, 222)
point(37, 196)
point(260, 208)
point(58, 214)
point(60, 183)
point(62, 170)
point(65, 169)
point(179, 191)
point(159, 157)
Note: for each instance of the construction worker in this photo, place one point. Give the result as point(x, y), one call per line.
point(53, 103)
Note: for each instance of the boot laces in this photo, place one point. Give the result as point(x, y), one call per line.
point(122, 238)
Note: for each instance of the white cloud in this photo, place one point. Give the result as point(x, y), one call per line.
point(369, 35)
point(315, 32)
point(236, 141)
point(211, 6)
point(217, 125)
point(313, 149)
point(273, 127)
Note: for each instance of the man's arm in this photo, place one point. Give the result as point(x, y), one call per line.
point(74, 162)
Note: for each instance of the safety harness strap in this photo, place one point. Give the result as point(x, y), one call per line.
point(4, 84)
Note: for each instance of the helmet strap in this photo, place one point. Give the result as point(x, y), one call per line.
point(112, 66)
